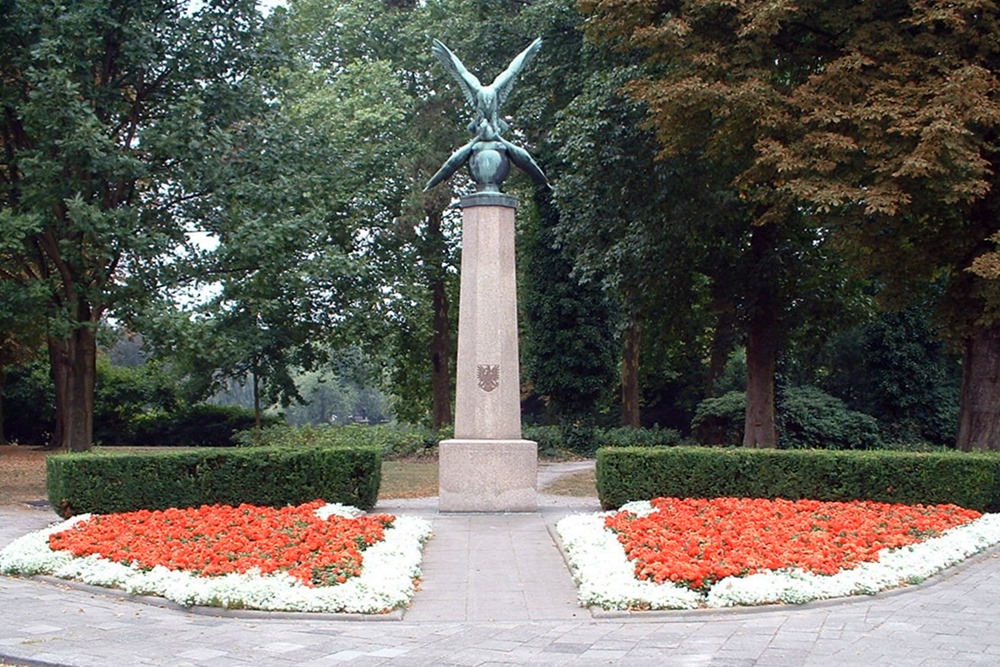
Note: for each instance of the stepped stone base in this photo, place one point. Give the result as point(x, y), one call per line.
point(488, 476)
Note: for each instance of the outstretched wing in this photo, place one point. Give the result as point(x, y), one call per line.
point(451, 165)
point(522, 160)
point(467, 81)
point(504, 82)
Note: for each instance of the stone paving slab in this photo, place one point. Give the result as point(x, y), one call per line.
point(505, 562)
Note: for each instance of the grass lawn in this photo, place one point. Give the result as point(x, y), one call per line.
point(22, 477)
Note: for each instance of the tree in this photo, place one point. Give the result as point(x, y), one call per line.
point(569, 353)
point(119, 117)
point(412, 253)
point(875, 119)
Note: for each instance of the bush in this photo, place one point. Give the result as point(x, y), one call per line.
point(639, 437)
point(395, 441)
point(720, 420)
point(201, 425)
point(585, 440)
point(549, 439)
point(969, 480)
point(810, 418)
point(807, 418)
point(104, 482)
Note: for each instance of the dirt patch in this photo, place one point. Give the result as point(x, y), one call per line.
point(22, 474)
point(582, 484)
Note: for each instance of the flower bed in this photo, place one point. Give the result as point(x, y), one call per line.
point(681, 554)
point(314, 557)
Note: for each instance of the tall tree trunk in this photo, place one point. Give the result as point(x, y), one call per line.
point(630, 375)
point(760, 426)
point(74, 372)
point(723, 342)
point(979, 414)
point(257, 422)
point(441, 356)
point(3, 379)
point(440, 347)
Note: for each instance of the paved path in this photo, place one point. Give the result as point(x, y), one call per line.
point(497, 592)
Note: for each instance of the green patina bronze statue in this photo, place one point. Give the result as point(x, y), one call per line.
point(488, 154)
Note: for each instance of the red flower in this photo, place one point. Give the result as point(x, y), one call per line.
point(696, 542)
point(219, 539)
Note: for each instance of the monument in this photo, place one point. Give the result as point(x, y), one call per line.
point(487, 466)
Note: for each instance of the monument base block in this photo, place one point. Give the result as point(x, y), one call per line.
point(487, 476)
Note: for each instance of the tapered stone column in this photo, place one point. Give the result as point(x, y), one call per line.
point(488, 467)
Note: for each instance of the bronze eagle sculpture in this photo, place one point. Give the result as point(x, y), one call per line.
point(488, 153)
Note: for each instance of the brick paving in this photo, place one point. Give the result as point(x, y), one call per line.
point(496, 591)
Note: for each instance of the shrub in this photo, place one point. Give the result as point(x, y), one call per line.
point(549, 439)
point(969, 480)
point(585, 440)
point(807, 418)
point(201, 425)
point(393, 441)
point(639, 437)
point(810, 418)
point(104, 482)
point(720, 420)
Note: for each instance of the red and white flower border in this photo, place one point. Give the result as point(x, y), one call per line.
point(387, 581)
point(606, 578)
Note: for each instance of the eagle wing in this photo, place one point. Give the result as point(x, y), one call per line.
point(467, 81)
point(522, 160)
point(504, 82)
point(451, 165)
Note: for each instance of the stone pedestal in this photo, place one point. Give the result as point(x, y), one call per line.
point(487, 467)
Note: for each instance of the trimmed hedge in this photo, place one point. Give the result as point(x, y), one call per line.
point(104, 482)
point(970, 480)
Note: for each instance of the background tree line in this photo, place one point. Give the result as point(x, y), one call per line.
point(746, 199)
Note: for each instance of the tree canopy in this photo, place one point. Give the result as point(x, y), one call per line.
point(877, 119)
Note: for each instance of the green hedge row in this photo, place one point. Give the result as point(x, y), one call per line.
point(106, 481)
point(965, 479)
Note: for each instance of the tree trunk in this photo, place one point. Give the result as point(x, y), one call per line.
point(723, 342)
point(74, 372)
point(257, 422)
point(440, 347)
point(630, 375)
point(760, 426)
point(979, 414)
point(440, 356)
point(3, 435)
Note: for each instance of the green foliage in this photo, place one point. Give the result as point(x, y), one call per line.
point(896, 369)
point(811, 419)
point(628, 474)
point(639, 437)
point(585, 441)
point(570, 354)
point(201, 425)
point(392, 441)
point(134, 405)
point(878, 120)
point(719, 420)
point(120, 119)
point(103, 482)
point(29, 404)
point(807, 418)
point(124, 395)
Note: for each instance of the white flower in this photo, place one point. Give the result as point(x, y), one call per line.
point(386, 582)
point(606, 578)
